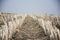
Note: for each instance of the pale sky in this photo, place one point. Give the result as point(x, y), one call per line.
point(30, 6)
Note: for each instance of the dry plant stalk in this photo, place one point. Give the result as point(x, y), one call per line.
point(29, 27)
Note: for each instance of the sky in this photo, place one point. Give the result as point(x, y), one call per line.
point(30, 6)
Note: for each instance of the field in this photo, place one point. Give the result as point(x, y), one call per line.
point(29, 27)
